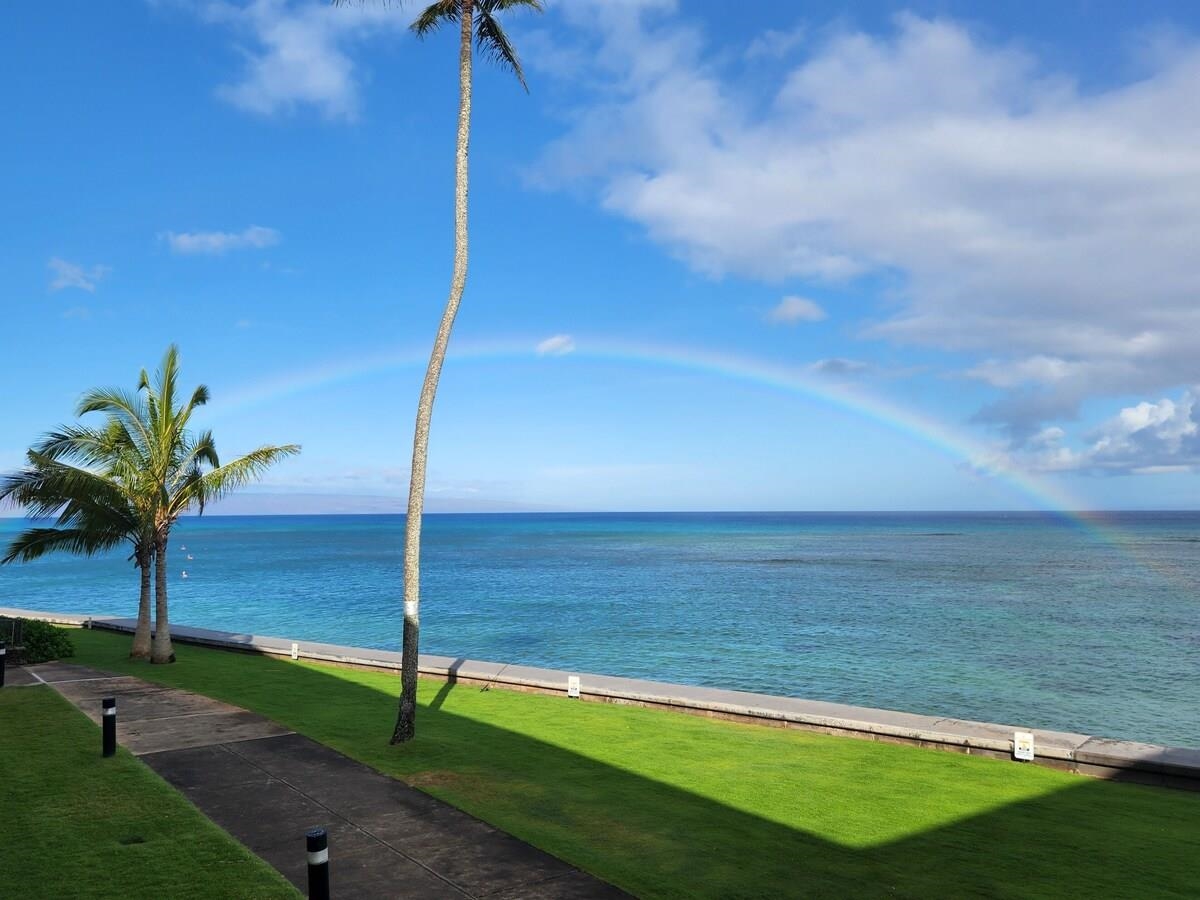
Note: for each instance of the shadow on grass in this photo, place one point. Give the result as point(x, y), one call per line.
point(674, 806)
point(451, 681)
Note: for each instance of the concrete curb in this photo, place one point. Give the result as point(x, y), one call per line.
point(1080, 753)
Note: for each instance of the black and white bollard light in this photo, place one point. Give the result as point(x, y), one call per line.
point(109, 725)
point(3, 659)
point(318, 864)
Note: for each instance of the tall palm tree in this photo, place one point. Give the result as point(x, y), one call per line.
point(176, 470)
point(95, 509)
point(477, 23)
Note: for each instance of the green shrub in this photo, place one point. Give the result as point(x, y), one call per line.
point(43, 642)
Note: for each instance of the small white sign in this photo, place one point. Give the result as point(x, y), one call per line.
point(572, 685)
point(1023, 745)
point(295, 650)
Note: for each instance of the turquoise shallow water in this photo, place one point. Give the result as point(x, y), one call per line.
point(1017, 618)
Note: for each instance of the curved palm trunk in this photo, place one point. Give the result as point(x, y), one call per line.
point(162, 651)
point(406, 718)
point(141, 636)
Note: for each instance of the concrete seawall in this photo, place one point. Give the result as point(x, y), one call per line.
point(1080, 753)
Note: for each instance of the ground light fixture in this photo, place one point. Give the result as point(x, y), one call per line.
point(317, 845)
point(109, 720)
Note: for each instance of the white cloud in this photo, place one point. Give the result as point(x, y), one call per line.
point(791, 310)
point(558, 345)
point(776, 43)
point(1039, 369)
point(1167, 425)
point(1047, 228)
point(217, 242)
point(296, 53)
point(1048, 437)
point(66, 274)
point(1160, 470)
point(1147, 438)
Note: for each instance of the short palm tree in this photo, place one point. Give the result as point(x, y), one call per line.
point(176, 471)
point(129, 480)
point(95, 509)
point(478, 26)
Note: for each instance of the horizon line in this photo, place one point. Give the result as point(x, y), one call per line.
point(671, 512)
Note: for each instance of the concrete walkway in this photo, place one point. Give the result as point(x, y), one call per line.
point(266, 786)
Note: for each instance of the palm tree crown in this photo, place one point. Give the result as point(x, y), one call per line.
point(179, 470)
point(490, 39)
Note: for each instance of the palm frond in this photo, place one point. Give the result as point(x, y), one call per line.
point(129, 410)
point(180, 420)
point(165, 379)
point(435, 16)
point(219, 482)
point(20, 489)
point(193, 454)
point(73, 495)
point(35, 543)
point(199, 398)
point(85, 445)
point(204, 450)
point(494, 44)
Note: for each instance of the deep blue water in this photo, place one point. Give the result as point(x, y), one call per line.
point(1016, 618)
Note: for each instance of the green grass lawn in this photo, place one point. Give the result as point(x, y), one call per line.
point(73, 824)
point(670, 805)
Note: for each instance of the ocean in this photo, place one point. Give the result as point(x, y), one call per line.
point(1046, 621)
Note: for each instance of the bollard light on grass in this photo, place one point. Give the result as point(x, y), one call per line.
point(3, 660)
point(108, 721)
point(317, 841)
point(573, 686)
point(295, 650)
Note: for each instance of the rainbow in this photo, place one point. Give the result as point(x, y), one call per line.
point(954, 443)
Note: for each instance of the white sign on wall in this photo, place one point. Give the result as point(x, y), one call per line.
point(1023, 745)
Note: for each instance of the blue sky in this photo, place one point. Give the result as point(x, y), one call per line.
point(932, 256)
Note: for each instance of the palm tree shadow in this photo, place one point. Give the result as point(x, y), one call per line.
point(451, 681)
